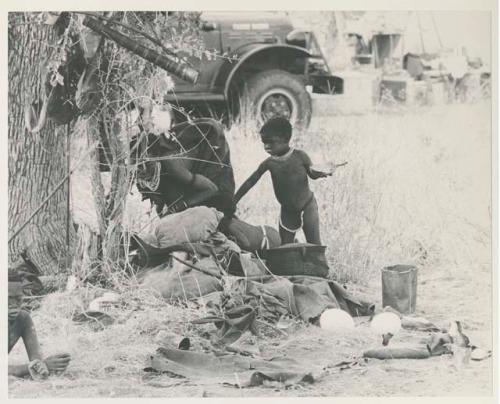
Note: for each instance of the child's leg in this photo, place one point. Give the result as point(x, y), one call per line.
point(290, 223)
point(311, 222)
point(286, 236)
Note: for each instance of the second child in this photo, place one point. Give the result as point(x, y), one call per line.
point(290, 169)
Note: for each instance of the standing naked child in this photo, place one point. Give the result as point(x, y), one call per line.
point(290, 169)
point(21, 326)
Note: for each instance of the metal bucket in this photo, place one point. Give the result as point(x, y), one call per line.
point(399, 288)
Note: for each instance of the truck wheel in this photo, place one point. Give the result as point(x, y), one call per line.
point(278, 93)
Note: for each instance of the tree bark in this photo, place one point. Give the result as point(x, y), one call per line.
point(98, 192)
point(118, 194)
point(105, 125)
point(37, 161)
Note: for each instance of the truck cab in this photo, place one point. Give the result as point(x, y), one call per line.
point(258, 62)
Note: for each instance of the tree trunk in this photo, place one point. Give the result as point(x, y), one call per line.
point(106, 127)
point(37, 161)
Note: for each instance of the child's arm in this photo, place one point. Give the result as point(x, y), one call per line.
point(313, 174)
point(321, 174)
point(250, 182)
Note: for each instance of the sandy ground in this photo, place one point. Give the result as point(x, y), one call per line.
point(441, 297)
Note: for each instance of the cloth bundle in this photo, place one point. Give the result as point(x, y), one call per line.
point(190, 226)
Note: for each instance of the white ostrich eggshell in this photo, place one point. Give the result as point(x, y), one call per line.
point(335, 320)
point(387, 322)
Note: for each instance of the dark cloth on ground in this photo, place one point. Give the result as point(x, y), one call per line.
point(271, 297)
point(233, 324)
point(304, 297)
point(232, 370)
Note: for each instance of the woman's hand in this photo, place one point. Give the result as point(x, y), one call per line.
point(177, 207)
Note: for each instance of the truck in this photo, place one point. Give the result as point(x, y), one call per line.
point(257, 63)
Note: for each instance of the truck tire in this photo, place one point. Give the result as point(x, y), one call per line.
point(278, 93)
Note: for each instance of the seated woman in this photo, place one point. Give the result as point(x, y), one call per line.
point(190, 165)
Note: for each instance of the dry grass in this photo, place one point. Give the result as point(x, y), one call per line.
point(117, 350)
point(416, 188)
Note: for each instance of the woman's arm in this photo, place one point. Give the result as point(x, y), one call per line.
point(200, 189)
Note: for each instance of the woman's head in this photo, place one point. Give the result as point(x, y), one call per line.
point(154, 118)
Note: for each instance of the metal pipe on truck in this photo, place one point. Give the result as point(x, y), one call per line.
point(164, 61)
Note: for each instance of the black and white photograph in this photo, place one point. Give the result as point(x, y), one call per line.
point(235, 203)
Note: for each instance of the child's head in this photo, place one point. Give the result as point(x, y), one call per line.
point(276, 134)
point(15, 294)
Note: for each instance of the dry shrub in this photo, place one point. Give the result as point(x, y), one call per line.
point(416, 188)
